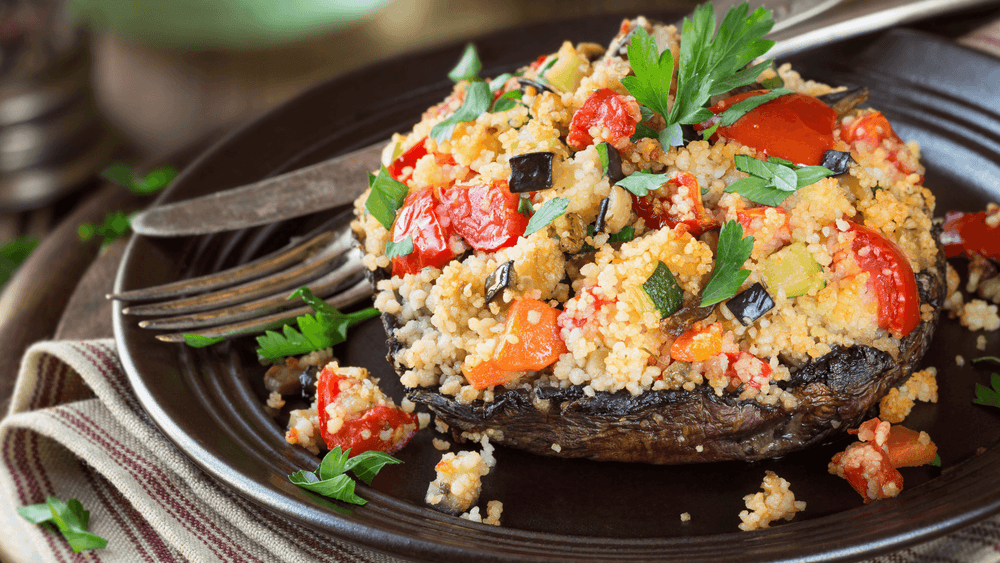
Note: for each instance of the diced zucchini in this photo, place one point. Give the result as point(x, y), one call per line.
point(794, 270)
point(564, 73)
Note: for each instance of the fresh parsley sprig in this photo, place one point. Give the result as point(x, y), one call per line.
point(69, 518)
point(477, 100)
point(331, 478)
point(386, 197)
point(771, 181)
point(641, 183)
point(399, 249)
point(709, 64)
point(326, 328)
point(125, 176)
point(550, 211)
point(986, 396)
point(728, 274)
point(468, 66)
point(13, 253)
point(116, 224)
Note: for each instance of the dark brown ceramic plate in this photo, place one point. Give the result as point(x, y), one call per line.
point(208, 401)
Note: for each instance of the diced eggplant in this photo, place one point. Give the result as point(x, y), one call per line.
point(845, 101)
point(308, 381)
point(500, 279)
point(751, 304)
point(837, 161)
point(531, 172)
point(602, 214)
point(614, 164)
point(538, 86)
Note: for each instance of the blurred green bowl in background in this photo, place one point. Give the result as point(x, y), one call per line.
point(230, 24)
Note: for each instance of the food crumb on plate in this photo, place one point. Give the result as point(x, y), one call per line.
point(977, 314)
point(776, 502)
point(685, 516)
point(981, 343)
point(556, 448)
point(959, 360)
point(441, 445)
point(897, 404)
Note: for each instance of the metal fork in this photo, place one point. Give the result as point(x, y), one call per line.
point(252, 297)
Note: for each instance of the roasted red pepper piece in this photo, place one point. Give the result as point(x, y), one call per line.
point(755, 381)
point(420, 218)
point(794, 127)
point(906, 449)
point(381, 427)
point(486, 215)
point(407, 160)
point(890, 278)
point(604, 108)
point(969, 232)
point(656, 211)
point(698, 344)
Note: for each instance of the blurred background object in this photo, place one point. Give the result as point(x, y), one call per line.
point(51, 137)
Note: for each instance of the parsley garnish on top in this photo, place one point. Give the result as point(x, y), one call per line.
point(316, 332)
point(709, 64)
point(386, 197)
point(468, 66)
point(69, 518)
point(477, 100)
point(771, 181)
point(728, 274)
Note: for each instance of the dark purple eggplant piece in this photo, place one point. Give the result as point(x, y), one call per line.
point(538, 86)
point(837, 161)
point(845, 101)
point(614, 164)
point(531, 172)
point(499, 279)
point(750, 304)
point(602, 215)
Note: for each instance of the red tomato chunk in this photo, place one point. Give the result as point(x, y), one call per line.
point(353, 413)
point(678, 202)
point(870, 465)
point(420, 218)
point(794, 127)
point(890, 278)
point(970, 232)
point(604, 108)
point(486, 215)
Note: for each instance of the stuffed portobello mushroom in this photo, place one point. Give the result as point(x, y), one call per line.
point(660, 252)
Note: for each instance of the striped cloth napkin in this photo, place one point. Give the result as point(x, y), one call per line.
point(76, 430)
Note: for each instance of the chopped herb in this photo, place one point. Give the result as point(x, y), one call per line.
point(199, 341)
point(709, 64)
point(12, 254)
point(468, 66)
point(331, 478)
point(602, 153)
point(728, 274)
point(386, 197)
point(937, 461)
point(507, 101)
point(626, 234)
point(316, 332)
point(549, 211)
point(641, 183)
point(524, 206)
point(116, 224)
point(123, 175)
point(399, 249)
point(69, 518)
point(548, 63)
point(876, 188)
point(498, 82)
point(643, 131)
point(663, 290)
point(477, 101)
point(986, 359)
point(773, 82)
point(773, 180)
point(986, 396)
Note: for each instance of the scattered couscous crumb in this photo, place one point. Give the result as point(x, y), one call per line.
point(494, 509)
point(977, 314)
point(423, 419)
point(440, 425)
point(981, 342)
point(897, 404)
point(776, 502)
point(556, 448)
point(441, 445)
point(959, 361)
point(275, 400)
point(458, 482)
point(685, 516)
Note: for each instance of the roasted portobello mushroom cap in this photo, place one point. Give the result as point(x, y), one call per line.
point(834, 392)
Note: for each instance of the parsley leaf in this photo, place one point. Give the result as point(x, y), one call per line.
point(326, 328)
point(728, 274)
point(709, 64)
point(773, 180)
point(116, 224)
point(468, 66)
point(69, 518)
point(507, 101)
point(331, 479)
point(602, 153)
point(987, 359)
point(399, 249)
point(477, 101)
point(12, 254)
point(524, 207)
point(386, 197)
point(123, 175)
point(498, 82)
point(986, 396)
point(550, 211)
point(641, 183)
point(199, 341)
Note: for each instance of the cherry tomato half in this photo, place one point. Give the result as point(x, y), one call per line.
point(873, 130)
point(486, 215)
point(969, 232)
point(419, 218)
point(604, 108)
point(890, 278)
point(407, 160)
point(794, 127)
